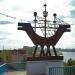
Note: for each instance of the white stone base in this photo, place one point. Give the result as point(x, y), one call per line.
point(42, 66)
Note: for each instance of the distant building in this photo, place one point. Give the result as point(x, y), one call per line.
point(16, 55)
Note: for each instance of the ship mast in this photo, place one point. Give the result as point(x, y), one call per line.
point(45, 14)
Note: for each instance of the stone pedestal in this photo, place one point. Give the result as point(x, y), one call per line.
point(41, 65)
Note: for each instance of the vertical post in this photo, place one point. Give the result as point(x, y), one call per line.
point(17, 55)
point(54, 51)
point(35, 51)
point(45, 21)
point(48, 51)
point(42, 51)
point(35, 14)
point(54, 20)
point(4, 55)
point(45, 13)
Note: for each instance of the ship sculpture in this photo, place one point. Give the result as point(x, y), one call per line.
point(57, 26)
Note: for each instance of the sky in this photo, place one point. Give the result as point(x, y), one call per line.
point(11, 38)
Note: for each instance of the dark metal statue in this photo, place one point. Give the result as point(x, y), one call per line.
point(44, 41)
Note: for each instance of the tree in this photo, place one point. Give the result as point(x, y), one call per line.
point(4, 55)
point(70, 62)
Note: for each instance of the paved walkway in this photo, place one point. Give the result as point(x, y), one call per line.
point(15, 73)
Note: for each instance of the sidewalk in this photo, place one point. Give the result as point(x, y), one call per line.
point(16, 73)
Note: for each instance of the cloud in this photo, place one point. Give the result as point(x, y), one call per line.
point(2, 32)
point(24, 9)
point(72, 34)
point(3, 38)
point(4, 35)
point(72, 3)
point(6, 22)
point(73, 13)
point(1, 0)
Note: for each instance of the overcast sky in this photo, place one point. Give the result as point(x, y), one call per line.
point(10, 37)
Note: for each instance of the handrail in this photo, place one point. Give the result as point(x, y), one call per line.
point(3, 68)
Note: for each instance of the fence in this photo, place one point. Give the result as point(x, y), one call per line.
point(17, 66)
point(70, 70)
point(62, 70)
point(14, 66)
